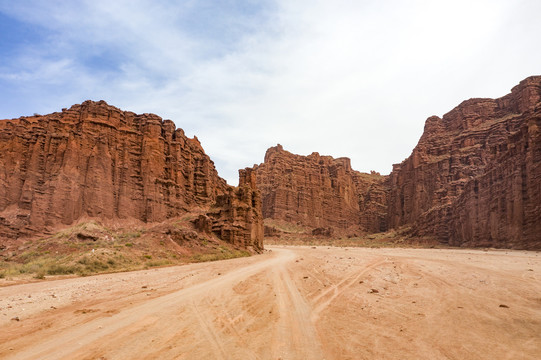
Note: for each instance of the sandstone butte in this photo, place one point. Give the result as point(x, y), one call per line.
point(321, 192)
point(96, 161)
point(474, 179)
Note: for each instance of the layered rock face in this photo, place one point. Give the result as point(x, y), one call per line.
point(320, 192)
point(474, 178)
point(94, 160)
point(237, 216)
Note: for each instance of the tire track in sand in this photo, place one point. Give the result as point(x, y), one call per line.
point(210, 333)
point(324, 299)
point(295, 336)
point(100, 330)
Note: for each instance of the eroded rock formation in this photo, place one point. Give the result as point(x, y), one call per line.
point(474, 178)
point(236, 215)
point(321, 192)
point(94, 160)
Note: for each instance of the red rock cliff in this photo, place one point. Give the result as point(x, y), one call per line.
point(474, 178)
point(94, 160)
point(237, 215)
point(320, 192)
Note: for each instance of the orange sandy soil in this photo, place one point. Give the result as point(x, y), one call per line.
point(288, 303)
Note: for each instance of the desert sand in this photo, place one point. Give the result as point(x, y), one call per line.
point(288, 303)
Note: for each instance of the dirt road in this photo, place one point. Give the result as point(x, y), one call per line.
point(289, 303)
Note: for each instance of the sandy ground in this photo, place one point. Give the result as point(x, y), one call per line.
point(289, 303)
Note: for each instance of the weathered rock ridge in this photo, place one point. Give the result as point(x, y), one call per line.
point(321, 192)
point(474, 178)
point(96, 161)
point(237, 216)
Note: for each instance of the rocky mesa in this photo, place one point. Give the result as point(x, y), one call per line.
point(321, 192)
point(96, 161)
point(474, 178)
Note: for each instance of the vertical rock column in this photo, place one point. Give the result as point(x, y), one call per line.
point(237, 216)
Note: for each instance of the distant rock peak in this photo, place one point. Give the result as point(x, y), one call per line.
point(320, 192)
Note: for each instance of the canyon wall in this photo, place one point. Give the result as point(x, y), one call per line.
point(321, 192)
point(474, 178)
point(94, 160)
point(237, 216)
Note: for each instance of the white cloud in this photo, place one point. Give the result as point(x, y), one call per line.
point(344, 78)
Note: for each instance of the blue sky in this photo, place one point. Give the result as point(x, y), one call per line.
point(344, 78)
